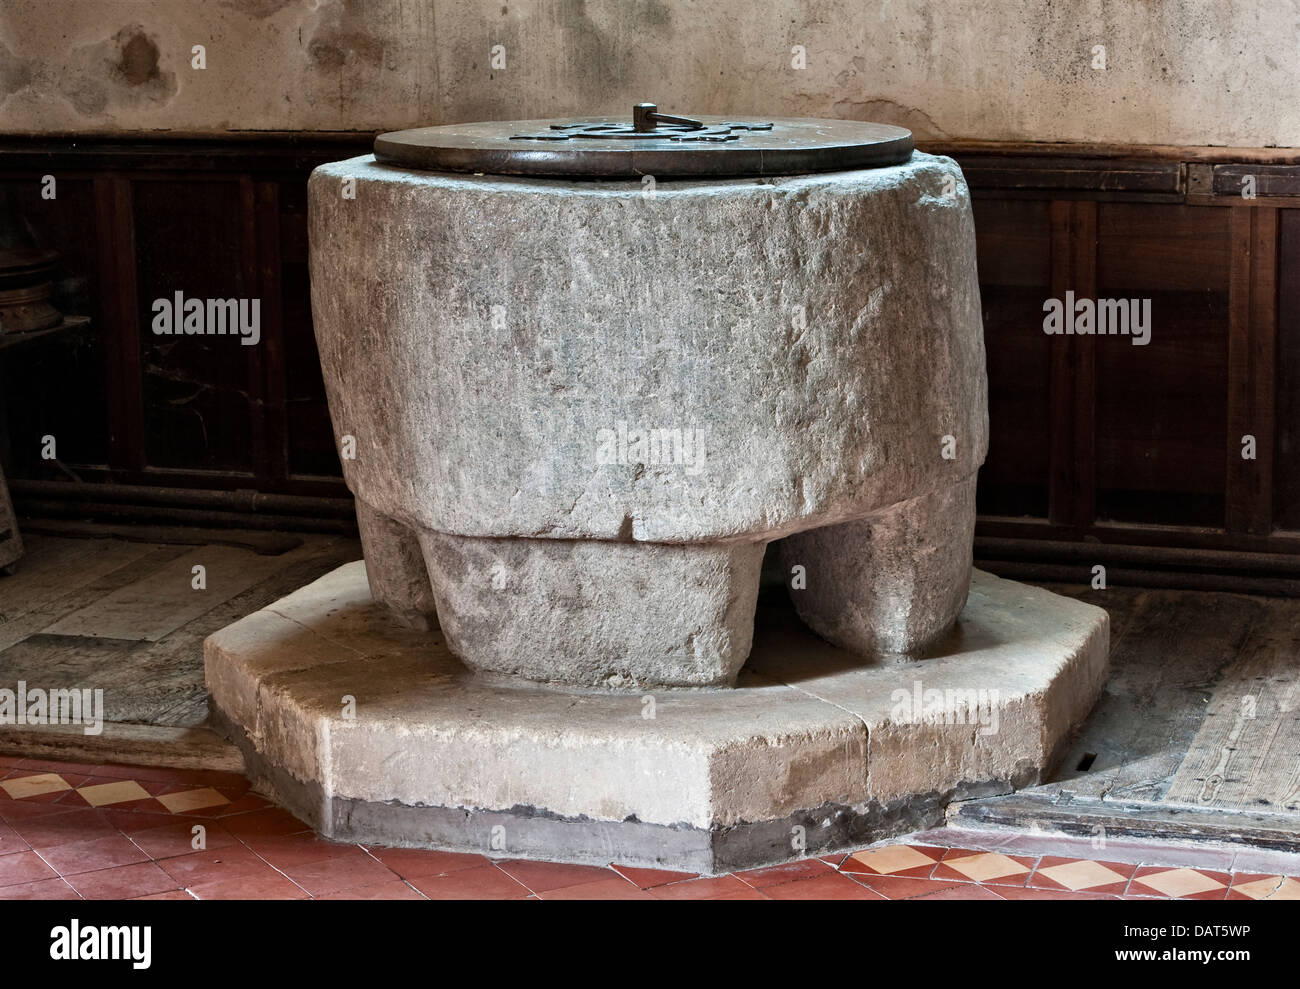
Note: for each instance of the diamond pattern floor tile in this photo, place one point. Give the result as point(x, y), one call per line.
point(1081, 875)
point(105, 794)
point(984, 867)
point(190, 800)
point(915, 861)
point(25, 787)
point(72, 831)
point(1181, 884)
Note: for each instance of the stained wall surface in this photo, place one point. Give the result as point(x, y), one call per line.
point(1190, 72)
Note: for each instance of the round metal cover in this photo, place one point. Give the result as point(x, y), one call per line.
point(651, 143)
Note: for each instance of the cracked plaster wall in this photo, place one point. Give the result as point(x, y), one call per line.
point(1178, 71)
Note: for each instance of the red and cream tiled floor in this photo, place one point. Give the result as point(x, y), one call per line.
point(72, 831)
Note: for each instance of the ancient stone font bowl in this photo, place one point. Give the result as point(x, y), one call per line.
point(574, 413)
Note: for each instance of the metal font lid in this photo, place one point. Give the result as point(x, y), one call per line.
point(652, 143)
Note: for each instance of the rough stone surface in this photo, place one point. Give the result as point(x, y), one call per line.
point(597, 613)
point(428, 754)
point(893, 582)
point(485, 339)
point(717, 365)
point(397, 574)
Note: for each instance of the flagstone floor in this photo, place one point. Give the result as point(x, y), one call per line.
point(75, 831)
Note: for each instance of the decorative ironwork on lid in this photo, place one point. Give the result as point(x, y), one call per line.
point(647, 124)
point(651, 143)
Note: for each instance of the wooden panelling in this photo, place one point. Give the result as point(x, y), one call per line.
point(1092, 438)
point(211, 221)
point(1252, 357)
point(1163, 247)
point(1015, 275)
point(74, 362)
point(199, 408)
point(1286, 462)
point(120, 321)
point(1161, 406)
point(1269, 180)
point(1073, 462)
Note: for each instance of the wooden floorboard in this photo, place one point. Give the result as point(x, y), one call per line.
point(156, 605)
point(78, 593)
point(1246, 754)
point(1196, 734)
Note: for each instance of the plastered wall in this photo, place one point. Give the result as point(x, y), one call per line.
point(1190, 72)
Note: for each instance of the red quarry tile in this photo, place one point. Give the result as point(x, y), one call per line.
point(265, 886)
point(130, 822)
point(90, 856)
point(1081, 875)
point(272, 821)
point(289, 851)
point(394, 889)
point(541, 877)
point(214, 865)
point(834, 886)
point(10, 841)
point(834, 859)
point(340, 872)
point(646, 878)
point(700, 889)
point(786, 872)
point(177, 838)
point(1179, 883)
point(1033, 893)
point(749, 894)
point(123, 882)
point(14, 812)
point(909, 861)
point(970, 865)
point(171, 894)
point(408, 862)
point(485, 882)
point(63, 827)
point(46, 889)
point(966, 891)
point(23, 867)
point(904, 887)
point(613, 888)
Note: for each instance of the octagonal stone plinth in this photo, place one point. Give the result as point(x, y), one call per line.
point(374, 732)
